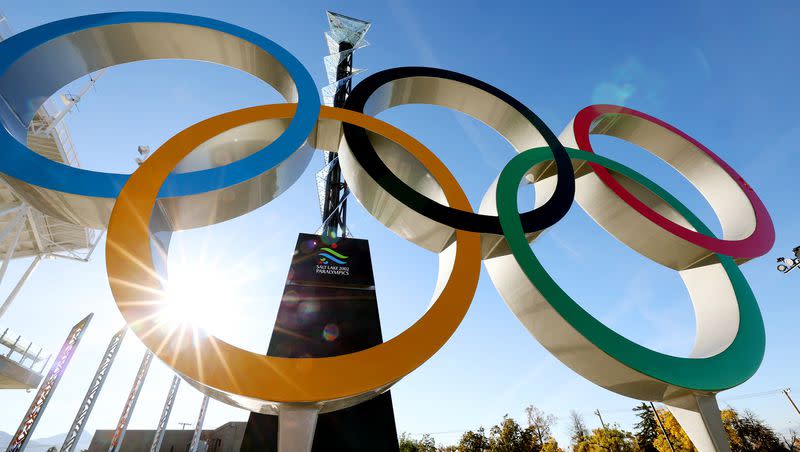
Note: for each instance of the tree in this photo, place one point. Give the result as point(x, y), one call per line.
point(427, 443)
point(730, 421)
point(611, 438)
point(746, 433)
point(508, 436)
point(646, 430)
point(578, 431)
point(792, 440)
point(540, 425)
point(551, 446)
point(408, 444)
point(474, 441)
point(680, 440)
point(749, 433)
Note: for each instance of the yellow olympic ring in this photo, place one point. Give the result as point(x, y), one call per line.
point(226, 371)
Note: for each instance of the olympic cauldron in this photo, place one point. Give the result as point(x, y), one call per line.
point(406, 187)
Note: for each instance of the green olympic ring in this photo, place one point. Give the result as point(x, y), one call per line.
point(730, 367)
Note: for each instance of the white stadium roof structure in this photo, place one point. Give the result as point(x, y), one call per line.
point(27, 233)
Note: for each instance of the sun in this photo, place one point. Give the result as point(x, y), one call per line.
point(195, 295)
point(210, 291)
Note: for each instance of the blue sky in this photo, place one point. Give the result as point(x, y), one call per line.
point(722, 72)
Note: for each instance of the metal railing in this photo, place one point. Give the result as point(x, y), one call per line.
point(43, 125)
point(14, 347)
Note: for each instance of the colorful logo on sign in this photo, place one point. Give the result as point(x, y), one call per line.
point(328, 255)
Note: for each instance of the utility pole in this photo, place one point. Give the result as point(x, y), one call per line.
point(661, 424)
point(597, 412)
point(184, 424)
point(786, 393)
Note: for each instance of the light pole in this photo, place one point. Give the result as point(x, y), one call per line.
point(785, 264)
point(661, 424)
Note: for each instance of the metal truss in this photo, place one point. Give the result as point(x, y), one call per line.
point(345, 37)
point(130, 404)
point(34, 413)
point(198, 428)
point(162, 422)
point(75, 431)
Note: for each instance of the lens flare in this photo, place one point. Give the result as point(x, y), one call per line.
point(331, 332)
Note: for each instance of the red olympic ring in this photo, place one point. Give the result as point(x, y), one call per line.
point(756, 244)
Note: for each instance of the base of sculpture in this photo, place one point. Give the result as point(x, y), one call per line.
point(368, 426)
point(329, 308)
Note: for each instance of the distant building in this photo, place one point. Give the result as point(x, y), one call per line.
point(226, 438)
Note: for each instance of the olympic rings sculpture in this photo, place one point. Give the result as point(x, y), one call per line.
point(406, 187)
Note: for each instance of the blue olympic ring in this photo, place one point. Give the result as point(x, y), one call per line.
point(23, 89)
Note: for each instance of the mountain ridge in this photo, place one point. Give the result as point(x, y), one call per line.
point(42, 444)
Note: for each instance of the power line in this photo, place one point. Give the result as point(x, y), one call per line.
point(753, 395)
point(450, 432)
point(725, 400)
